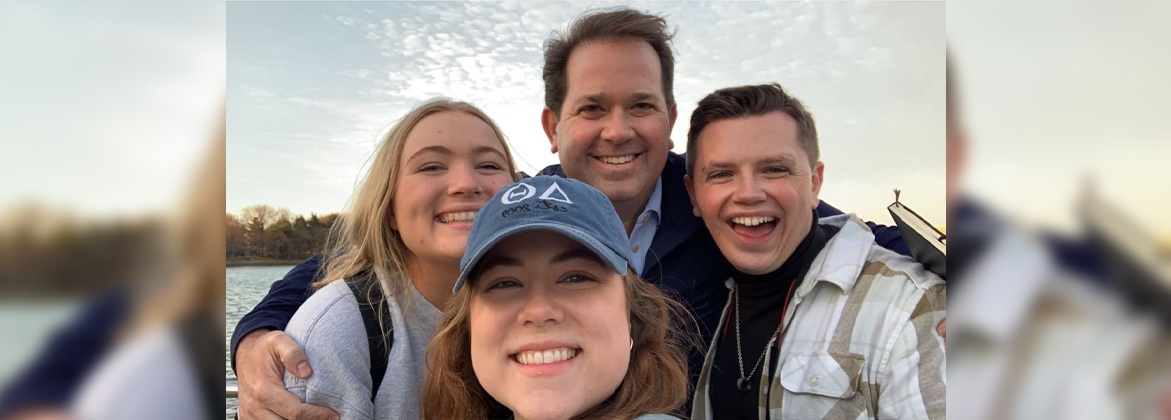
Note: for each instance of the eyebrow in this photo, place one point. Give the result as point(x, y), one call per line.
point(779, 160)
point(642, 96)
point(432, 149)
point(785, 160)
point(578, 252)
point(445, 151)
point(492, 150)
point(496, 261)
point(602, 97)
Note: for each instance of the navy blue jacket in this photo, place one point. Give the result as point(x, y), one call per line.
point(71, 353)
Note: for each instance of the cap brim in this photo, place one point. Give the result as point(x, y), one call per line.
point(616, 261)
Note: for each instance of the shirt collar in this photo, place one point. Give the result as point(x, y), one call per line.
point(654, 205)
point(841, 261)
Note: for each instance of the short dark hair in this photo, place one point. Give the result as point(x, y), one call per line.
point(611, 25)
point(749, 101)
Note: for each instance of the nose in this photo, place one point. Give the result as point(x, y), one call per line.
point(464, 180)
point(748, 191)
point(617, 128)
point(540, 307)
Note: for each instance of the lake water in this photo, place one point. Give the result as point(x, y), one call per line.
point(246, 287)
point(25, 327)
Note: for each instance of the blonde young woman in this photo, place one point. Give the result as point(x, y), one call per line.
point(406, 230)
point(548, 320)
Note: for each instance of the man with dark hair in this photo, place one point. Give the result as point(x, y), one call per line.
point(609, 113)
point(827, 323)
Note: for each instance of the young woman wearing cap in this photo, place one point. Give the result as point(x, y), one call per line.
point(405, 232)
point(552, 323)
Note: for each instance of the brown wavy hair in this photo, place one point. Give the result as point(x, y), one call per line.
point(655, 382)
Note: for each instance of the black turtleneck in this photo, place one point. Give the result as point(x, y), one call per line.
point(762, 300)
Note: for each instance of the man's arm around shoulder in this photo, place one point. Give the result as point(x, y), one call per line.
point(265, 352)
point(278, 306)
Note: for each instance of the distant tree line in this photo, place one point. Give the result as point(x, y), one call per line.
point(261, 231)
point(47, 252)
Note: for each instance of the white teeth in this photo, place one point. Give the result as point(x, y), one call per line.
point(752, 221)
point(547, 356)
point(459, 216)
point(616, 160)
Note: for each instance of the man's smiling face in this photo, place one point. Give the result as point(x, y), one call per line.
point(614, 126)
point(755, 189)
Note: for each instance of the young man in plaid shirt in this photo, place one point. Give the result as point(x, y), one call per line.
point(821, 322)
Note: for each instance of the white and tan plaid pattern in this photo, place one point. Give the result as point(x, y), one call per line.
point(859, 338)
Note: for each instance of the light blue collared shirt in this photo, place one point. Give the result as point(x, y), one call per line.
point(645, 227)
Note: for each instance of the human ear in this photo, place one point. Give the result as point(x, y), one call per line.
point(687, 183)
point(818, 176)
point(549, 123)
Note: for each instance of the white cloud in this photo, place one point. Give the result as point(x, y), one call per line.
point(870, 72)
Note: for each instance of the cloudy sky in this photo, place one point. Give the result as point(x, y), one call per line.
point(311, 85)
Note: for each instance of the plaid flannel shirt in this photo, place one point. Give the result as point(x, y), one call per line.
point(859, 338)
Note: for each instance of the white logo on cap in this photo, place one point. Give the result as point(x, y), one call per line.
point(555, 189)
point(513, 196)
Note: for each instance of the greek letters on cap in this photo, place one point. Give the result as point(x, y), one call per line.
point(523, 191)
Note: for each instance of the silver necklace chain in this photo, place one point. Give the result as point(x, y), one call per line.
point(743, 384)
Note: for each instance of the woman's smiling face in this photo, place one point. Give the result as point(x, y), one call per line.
point(549, 325)
point(452, 162)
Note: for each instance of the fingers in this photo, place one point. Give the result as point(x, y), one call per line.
point(282, 404)
point(291, 355)
point(264, 415)
point(264, 401)
point(313, 412)
point(262, 357)
point(291, 410)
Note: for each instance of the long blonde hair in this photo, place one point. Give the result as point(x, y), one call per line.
point(655, 382)
point(364, 238)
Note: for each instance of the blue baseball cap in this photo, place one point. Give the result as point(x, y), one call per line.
point(566, 206)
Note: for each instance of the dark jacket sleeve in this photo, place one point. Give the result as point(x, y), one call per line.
point(282, 301)
point(68, 356)
point(887, 237)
